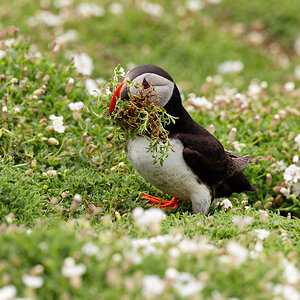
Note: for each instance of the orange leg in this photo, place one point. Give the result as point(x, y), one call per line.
point(164, 204)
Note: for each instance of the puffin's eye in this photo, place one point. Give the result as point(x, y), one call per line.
point(145, 84)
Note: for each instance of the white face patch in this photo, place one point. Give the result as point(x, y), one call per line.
point(163, 86)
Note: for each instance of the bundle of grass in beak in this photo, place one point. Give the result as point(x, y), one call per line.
point(139, 116)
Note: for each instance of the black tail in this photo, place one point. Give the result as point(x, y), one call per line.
point(235, 184)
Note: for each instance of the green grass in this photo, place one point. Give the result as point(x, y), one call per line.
point(38, 223)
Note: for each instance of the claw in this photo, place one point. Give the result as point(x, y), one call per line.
point(164, 204)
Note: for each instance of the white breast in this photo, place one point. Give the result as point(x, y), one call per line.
point(174, 177)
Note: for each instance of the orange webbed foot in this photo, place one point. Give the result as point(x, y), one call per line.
point(164, 204)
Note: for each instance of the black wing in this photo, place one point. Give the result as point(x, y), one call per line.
point(206, 156)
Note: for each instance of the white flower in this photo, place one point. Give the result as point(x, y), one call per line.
point(237, 252)
point(76, 106)
point(119, 70)
point(185, 283)
point(17, 110)
point(57, 123)
point(174, 252)
point(70, 269)
point(238, 146)
point(90, 10)
point(147, 217)
point(77, 198)
point(288, 292)
point(262, 233)
point(188, 246)
point(92, 87)
point(137, 213)
point(153, 9)
point(62, 3)
point(194, 5)
point(263, 216)
point(291, 274)
point(34, 282)
point(8, 292)
point(152, 286)
point(83, 63)
point(190, 288)
point(2, 53)
point(286, 192)
point(116, 9)
point(292, 173)
point(9, 42)
point(297, 72)
point(226, 203)
point(90, 249)
point(289, 86)
point(51, 172)
point(297, 45)
point(254, 88)
point(242, 221)
point(296, 189)
point(4, 108)
point(297, 141)
point(47, 18)
point(69, 36)
point(171, 273)
point(230, 66)
point(279, 165)
point(200, 102)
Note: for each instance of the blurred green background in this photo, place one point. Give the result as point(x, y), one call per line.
point(189, 38)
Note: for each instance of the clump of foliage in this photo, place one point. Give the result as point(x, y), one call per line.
point(141, 116)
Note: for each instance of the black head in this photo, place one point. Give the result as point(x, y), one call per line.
point(147, 75)
point(169, 95)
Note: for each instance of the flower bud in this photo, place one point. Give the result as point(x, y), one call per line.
point(110, 136)
point(33, 163)
point(295, 159)
point(77, 115)
point(269, 179)
point(4, 111)
point(76, 202)
point(46, 78)
point(211, 129)
point(69, 85)
point(263, 216)
point(28, 172)
point(232, 135)
point(114, 168)
point(16, 111)
point(291, 135)
point(14, 81)
point(53, 142)
point(268, 204)
point(39, 92)
point(257, 204)
point(257, 119)
point(69, 142)
point(117, 215)
point(275, 120)
point(52, 45)
point(38, 75)
point(91, 208)
point(49, 128)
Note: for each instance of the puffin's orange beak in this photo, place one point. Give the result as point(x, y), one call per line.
point(117, 94)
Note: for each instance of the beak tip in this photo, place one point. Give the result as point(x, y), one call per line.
point(117, 94)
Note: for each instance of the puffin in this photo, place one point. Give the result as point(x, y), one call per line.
point(197, 168)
